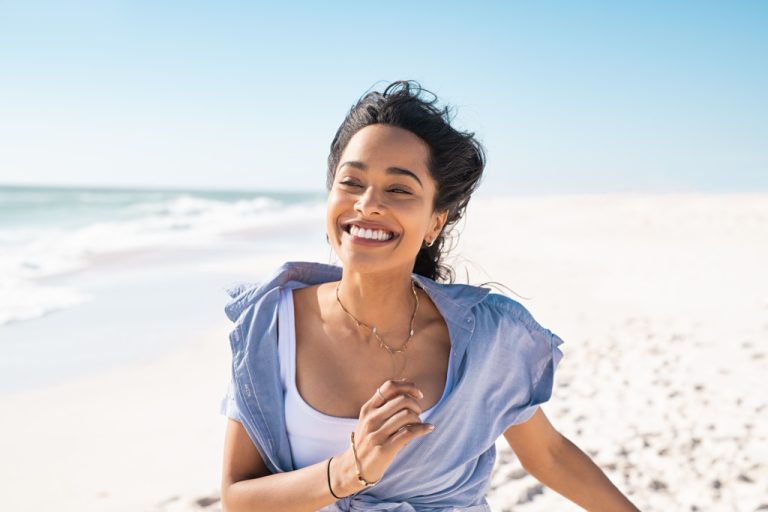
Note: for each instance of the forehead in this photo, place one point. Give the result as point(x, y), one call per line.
point(385, 145)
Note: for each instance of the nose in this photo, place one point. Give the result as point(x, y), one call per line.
point(369, 203)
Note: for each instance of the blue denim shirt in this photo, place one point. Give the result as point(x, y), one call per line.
point(504, 368)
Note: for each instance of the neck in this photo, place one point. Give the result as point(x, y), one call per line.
point(382, 300)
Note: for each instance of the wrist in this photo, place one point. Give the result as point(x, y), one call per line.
point(344, 475)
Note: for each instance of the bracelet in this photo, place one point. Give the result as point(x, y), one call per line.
point(357, 464)
point(329, 481)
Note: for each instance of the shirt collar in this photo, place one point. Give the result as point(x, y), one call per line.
point(454, 301)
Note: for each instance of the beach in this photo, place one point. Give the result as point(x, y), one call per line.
point(110, 397)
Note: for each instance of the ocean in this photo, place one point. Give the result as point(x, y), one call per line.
point(46, 232)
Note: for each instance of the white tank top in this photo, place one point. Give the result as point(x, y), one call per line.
point(313, 436)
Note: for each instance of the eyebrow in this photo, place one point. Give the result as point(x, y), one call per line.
point(389, 170)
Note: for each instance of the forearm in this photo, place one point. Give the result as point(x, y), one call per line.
point(302, 490)
point(572, 474)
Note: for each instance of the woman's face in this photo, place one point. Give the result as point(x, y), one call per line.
point(382, 183)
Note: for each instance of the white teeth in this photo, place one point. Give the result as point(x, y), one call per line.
point(370, 233)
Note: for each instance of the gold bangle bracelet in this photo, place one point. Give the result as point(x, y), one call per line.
point(357, 464)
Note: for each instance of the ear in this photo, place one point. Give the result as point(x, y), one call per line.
point(438, 221)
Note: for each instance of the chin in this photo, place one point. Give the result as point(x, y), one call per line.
point(365, 264)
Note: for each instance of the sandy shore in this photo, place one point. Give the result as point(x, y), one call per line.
point(662, 302)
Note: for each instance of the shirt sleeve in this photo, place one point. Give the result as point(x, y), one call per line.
point(527, 359)
point(228, 406)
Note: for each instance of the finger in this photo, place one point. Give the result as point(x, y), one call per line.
point(381, 397)
point(402, 401)
point(395, 422)
point(389, 390)
point(377, 400)
point(406, 434)
point(392, 388)
point(374, 419)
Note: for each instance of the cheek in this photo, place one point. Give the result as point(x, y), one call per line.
point(329, 209)
point(336, 198)
point(330, 222)
point(333, 210)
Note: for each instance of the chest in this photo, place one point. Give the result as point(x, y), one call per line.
point(336, 374)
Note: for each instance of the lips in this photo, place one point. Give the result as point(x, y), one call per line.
point(346, 226)
point(367, 233)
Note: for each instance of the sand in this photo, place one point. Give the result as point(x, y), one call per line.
point(662, 302)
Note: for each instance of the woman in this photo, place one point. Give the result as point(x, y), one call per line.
point(337, 369)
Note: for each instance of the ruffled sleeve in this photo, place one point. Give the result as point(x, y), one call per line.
point(523, 359)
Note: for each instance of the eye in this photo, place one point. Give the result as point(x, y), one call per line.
point(396, 190)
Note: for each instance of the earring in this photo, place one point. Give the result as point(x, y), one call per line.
point(430, 243)
point(328, 240)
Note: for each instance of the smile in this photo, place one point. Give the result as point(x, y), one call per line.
point(369, 235)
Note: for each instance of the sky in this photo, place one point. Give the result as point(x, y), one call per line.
point(566, 97)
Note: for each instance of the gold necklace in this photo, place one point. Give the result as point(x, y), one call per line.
point(392, 352)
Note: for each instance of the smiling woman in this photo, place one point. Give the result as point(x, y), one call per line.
point(432, 153)
point(337, 369)
point(374, 203)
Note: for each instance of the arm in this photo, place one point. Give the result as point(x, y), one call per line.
point(560, 465)
point(389, 420)
point(247, 484)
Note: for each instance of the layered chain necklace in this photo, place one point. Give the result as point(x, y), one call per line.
point(392, 351)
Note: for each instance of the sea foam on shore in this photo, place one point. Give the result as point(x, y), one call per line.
point(46, 232)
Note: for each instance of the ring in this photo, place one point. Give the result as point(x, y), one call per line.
point(378, 392)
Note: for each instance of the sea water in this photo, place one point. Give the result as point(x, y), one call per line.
point(95, 278)
point(46, 232)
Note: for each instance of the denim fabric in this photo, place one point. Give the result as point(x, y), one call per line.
point(504, 368)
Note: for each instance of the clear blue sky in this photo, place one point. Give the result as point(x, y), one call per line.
point(566, 96)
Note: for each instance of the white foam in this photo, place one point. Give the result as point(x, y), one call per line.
point(23, 300)
point(31, 254)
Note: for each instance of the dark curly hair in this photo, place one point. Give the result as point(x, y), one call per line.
point(456, 159)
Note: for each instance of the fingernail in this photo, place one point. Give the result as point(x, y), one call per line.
point(421, 395)
point(431, 427)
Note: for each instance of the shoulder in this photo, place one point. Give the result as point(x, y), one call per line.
point(506, 309)
point(246, 297)
point(509, 320)
point(246, 294)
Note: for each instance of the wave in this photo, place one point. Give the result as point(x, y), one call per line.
point(24, 300)
point(29, 255)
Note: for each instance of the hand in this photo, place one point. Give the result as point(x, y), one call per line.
point(386, 426)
